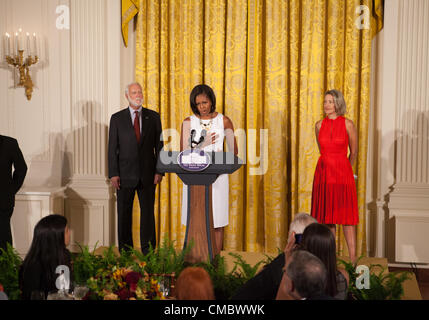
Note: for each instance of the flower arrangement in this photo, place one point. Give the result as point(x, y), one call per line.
point(123, 283)
point(134, 275)
point(129, 274)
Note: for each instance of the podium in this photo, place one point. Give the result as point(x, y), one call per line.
point(199, 226)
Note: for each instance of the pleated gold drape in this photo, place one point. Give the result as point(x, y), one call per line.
point(269, 63)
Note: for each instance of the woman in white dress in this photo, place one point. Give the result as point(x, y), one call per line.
point(216, 127)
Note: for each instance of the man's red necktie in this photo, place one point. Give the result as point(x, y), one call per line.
point(137, 126)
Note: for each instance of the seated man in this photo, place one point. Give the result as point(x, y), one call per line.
point(265, 284)
point(305, 277)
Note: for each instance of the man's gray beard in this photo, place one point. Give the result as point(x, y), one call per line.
point(134, 104)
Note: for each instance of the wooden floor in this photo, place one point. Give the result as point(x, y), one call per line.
point(422, 277)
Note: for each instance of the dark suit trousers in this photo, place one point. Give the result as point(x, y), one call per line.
point(5, 230)
point(125, 197)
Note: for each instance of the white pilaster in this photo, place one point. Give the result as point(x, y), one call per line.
point(95, 81)
point(403, 132)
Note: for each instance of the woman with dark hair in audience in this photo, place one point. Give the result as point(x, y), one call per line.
point(320, 241)
point(48, 251)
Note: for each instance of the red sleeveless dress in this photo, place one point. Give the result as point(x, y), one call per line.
point(334, 198)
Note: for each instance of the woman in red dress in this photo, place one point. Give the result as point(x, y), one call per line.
point(334, 198)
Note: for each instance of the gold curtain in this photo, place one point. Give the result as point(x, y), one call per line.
point(129, 8)
point(269, 63)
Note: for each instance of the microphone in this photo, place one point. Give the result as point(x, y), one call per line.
point(191, 138)
point(203, 136)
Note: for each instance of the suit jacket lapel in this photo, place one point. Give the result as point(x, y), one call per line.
point(128, 123)
point(145, 124)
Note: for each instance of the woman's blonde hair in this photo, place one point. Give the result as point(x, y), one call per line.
point(340, 103)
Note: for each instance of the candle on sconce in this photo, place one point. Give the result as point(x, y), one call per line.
point(35, 44)
point(19, 39)
point(20, 42)
point(28, 44)
point(16, 43)
point(7, 44)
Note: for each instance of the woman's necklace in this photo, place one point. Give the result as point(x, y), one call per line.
point(206, 124)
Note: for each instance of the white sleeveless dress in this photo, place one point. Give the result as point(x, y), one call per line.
point(220, 188)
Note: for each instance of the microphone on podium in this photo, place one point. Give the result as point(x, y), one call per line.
point(202, 137)
point(191, 138)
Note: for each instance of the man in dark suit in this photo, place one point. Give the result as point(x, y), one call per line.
point(134, 146)
point(10, 183)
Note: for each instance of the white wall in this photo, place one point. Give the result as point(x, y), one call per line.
point(41, 124)
point(62, 130)
point(398, 175)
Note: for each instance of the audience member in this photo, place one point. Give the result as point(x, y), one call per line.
point(194, 283)
point(48, 251)
point(320, 241)
point(305, 277)
point(265, 284)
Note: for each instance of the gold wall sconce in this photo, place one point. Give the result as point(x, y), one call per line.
point(15, 57)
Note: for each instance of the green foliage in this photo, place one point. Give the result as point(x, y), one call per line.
point(127, 258)
point(161, 260)
point(164, 259)
point(227, 283)
point(86, 264)
point(247, 270)
point(382, 285)
point(224, 283)
point(10, 263)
